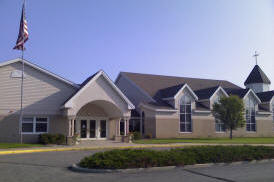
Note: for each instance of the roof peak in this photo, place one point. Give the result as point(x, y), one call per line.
point(172, 76)
point(257, 76)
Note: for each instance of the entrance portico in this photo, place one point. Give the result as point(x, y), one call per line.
point(94, 112)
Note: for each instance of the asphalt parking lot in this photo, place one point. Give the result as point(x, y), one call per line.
point(53, 166)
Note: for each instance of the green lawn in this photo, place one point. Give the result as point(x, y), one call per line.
point(18, 145)
point(208, 140)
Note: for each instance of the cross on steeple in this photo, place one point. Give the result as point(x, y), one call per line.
point(256, 57)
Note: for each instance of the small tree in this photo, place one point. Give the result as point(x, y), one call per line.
point(230, 111)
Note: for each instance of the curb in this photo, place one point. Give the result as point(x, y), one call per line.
point(24, 151)
point(8, 152)
point(76, 168)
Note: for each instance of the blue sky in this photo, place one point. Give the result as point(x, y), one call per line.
point(194, 38)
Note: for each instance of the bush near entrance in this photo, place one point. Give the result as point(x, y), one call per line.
point(123, 159)
point(58, 139)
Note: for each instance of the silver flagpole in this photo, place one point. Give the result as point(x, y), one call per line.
point(22, 94)
point(22, 85)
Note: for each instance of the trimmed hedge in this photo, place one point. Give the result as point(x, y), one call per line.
point(58, 139)
point(122, 159)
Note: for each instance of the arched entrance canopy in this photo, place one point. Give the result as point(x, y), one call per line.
point(100, 89)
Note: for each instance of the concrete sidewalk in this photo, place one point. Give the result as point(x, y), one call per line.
point(108, 144)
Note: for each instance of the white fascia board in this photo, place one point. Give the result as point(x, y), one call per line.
point(256, 97)
point(130, 105)
point(191, 91)
point(100, 73)
point(271, 101)
point(199, 111)
point(263, 113)
point(218, 89)
point(40, 69)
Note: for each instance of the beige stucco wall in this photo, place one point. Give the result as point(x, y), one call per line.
point(10, 123)
point(149, 122)
point(204, 126)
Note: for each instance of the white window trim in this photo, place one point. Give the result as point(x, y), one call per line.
point(34, 125)
point(191, 122)
point(219, 131)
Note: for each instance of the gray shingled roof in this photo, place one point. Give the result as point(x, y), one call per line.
point(266, 96)
point(257, 76)
point(239, 92)
point(206, 93)
point(153, 84)
point(170, 91)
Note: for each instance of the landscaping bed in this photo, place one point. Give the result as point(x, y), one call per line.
point(257, 140)
point(125, 159)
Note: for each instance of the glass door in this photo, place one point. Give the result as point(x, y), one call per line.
point(83, 128)
point(103, 129)
point(92, 129)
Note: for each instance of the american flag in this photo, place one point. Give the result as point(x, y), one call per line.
point(23, 31)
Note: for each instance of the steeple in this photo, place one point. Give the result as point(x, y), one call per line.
point(257, 79)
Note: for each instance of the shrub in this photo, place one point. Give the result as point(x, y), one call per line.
point(148, 136)
point(137, 135)
point(121, 159)
point(52, 139)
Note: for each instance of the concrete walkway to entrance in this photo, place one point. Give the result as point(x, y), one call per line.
point(107, 144)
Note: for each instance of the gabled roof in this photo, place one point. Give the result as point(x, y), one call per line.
point(239, 92)
point(171, 91)
point(266, 96)
point(208, 93)
point(91, 79)
point(257, 76)
point(242, 93)
point(152, 84)
point(40, 69)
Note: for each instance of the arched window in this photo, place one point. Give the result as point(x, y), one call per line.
point(143, 122)
point(219, 126)
point(250, 115)
point(185, 114)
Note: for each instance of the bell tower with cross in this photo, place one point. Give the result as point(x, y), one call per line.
point(257, 79)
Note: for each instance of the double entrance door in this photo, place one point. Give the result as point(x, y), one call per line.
point(93, 128)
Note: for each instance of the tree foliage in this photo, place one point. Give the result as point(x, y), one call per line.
point(230, 111)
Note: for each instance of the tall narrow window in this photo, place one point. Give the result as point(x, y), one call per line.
point(273, 117)
point(250, 115)
point(219, 126)
point(143, 122)
point(185, 114)
point(122, 127)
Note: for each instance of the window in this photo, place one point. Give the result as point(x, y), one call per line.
point(35, 125)
point(27, 125)
point(134, 125)
point(122, 127)
point(185, 114)
point(250, 115)
point(273, 116)
point(219, 126)
point(143, 122)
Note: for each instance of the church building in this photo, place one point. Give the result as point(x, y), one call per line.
point(99, 109)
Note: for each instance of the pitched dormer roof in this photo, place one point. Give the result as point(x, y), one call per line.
point(266, 96)
point(257, 76)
